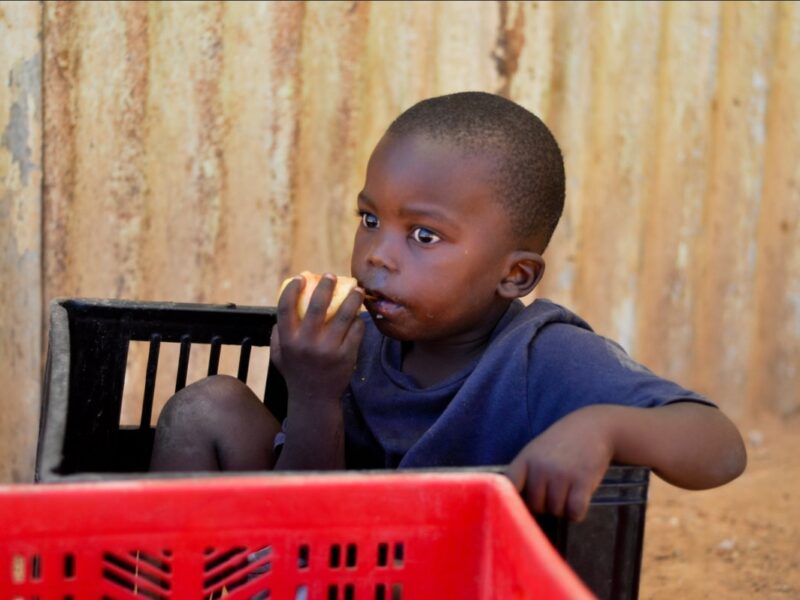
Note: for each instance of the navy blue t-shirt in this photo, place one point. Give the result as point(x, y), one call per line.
point(542, 363)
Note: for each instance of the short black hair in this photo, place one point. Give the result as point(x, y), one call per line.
point(530, 179)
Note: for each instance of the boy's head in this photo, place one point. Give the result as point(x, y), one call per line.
point(461, 196)
point(528, 167)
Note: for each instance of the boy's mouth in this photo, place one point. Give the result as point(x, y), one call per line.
point(380, 305)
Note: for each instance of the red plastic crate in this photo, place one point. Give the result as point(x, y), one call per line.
point(331, 537)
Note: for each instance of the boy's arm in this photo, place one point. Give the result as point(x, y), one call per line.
point(316, 358)
point(688, 444)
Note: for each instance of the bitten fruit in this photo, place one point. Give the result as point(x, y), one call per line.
point(343, 287)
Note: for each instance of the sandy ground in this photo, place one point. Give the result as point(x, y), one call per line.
point(738, 541)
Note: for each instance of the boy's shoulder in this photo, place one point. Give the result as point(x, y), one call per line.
point(562, 343)
point(529, 321)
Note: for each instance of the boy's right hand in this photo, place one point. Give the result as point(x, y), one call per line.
point(315, 357)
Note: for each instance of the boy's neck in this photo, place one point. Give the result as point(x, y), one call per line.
point(431, 362)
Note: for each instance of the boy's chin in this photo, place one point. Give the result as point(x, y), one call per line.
point(391, 329)
point(402, 332)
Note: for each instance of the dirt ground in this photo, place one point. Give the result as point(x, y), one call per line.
point(738, 541)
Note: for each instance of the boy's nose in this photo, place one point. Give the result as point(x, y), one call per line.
point(382, 256)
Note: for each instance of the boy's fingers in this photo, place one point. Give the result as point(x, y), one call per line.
point(319, 302)
point(578, 503)
point(287, 304)
point(536, 494)
point(557, 494)
point(528, 482)
point(342, 321)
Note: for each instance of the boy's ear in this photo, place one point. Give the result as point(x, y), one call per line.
point(523, 274)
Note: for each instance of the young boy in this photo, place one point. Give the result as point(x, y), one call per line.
point(462, 195)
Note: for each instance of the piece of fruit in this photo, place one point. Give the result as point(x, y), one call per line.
point(343, 287)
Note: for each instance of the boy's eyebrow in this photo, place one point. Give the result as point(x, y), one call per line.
point(365, 199)
point(430, 213)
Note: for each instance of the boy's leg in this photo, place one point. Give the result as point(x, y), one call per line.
point(216, 424)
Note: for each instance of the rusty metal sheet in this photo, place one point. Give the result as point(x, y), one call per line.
point(20, 236)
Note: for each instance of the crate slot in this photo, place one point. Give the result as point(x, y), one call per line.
point(163, 386)
point(302, 557)
point(216, 558)
point(150, 380)
point(399, 551)
point(36, 567)
point(128, 578)
point(69, 566)
point(301, 593)
point(351, 556)
point(139, 572)
point(146, 560)
point(335, 557)
point(233, 568)
point(135, 385)
point(18, 569)
point(260, 559)
point(383, 554)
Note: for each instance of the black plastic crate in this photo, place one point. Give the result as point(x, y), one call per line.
point(80, 436)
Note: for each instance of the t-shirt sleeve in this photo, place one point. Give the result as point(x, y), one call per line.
point(570, 368)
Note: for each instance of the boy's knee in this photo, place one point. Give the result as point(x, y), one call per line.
point(215, 423)
point(221, 388)
point(208, 397)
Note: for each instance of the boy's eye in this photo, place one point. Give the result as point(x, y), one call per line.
point(369, 220)
point(423, 235)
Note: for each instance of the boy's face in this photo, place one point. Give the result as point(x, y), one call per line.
point(433, 242)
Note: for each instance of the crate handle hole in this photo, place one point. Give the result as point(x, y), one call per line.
point(352, 556)
point(397, 591)
point(399, 557)
point(302, 557)
point(301, 593)
point(69, 566)
point(333, 592)
point(36, 567)
point(380, 592)
point(383, 555)
point(336, 556)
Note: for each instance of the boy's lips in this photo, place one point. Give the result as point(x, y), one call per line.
point(381, 305)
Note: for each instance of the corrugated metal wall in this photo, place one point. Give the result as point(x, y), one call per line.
point(203, 151)
point(20, 236)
